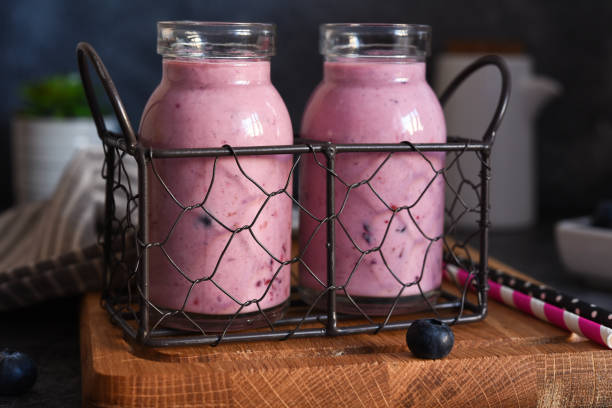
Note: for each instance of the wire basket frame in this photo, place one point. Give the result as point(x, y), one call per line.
point(127, 244)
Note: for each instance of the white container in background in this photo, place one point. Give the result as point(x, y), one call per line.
point(41, 148)
point(585, 249)
point(468, 113)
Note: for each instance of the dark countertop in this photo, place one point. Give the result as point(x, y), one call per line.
point(49, 332)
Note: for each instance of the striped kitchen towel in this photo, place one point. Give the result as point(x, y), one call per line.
point(50, 249)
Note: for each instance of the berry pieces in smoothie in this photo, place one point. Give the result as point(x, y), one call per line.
point(366, 234)
point(206, 220)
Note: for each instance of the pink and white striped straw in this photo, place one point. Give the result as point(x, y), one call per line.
point(537, 308)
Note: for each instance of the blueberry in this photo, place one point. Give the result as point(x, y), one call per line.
point(430, 339)
point(366, 234)
point(205, 219)
point(602, 216)
point(17, 372)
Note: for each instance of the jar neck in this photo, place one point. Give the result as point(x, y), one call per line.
point(367, 71)
point(211, 71)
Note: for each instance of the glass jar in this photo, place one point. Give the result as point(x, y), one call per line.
point(206, 259)
point(388, 235)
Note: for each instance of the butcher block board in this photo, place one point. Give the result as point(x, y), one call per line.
point(508, 360)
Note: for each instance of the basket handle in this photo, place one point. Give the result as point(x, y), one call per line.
point(504, 95)
point(86, 51)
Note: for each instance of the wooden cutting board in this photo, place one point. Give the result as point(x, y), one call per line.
point(508, 360)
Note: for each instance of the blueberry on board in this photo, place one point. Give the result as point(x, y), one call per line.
point(17, 372)
point(430, 339)
point(602, 216)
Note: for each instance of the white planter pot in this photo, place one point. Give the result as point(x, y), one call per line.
point(41, 148)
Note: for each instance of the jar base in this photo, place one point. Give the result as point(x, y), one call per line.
point(372, 306)
point(219, 323)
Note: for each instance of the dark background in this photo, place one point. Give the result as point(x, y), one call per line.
point(570, 42)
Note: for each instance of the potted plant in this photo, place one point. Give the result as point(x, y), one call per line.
point(55, 122)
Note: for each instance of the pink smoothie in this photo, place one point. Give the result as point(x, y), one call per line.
point(208, 103)
point(375, 102)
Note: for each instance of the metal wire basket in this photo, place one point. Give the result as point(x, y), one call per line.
point(127, 244)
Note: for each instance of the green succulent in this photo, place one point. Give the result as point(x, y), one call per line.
point(59, 96)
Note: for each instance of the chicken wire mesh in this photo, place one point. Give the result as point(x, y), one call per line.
point(140, 255)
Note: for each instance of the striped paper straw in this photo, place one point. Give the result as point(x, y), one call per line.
point(538, 308)
point(547, 294)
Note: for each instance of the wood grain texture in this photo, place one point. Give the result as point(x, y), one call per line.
point(508, 360)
